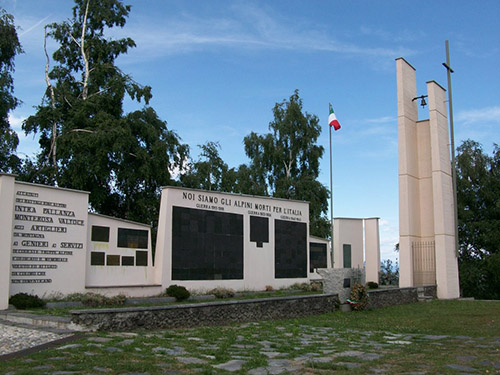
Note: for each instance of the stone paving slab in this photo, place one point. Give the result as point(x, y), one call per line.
point(352, 351)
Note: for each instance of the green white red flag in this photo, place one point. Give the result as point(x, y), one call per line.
point(332, 119)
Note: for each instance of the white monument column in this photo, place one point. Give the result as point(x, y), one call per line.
point(7, 214)
point(372, 249)
point(442, 190)
point(409, 206)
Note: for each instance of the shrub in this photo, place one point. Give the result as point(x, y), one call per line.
point(95, 300)
point(269, 288)
point(222, 292)
point(372, 285)
point(306, 287)
point(316, 286)
point(180, 293)
point(23, 301)
point(359, 297)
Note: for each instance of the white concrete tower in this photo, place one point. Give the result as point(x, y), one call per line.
point(426, 212)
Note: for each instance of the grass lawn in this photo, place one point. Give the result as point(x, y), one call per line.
point(439, 337)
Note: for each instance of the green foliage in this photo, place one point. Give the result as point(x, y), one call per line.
point(23, 301)
point(221, 292)
point(180, 293)
point(9, 48)
point(478, 195)
point(372, 285)
point(210, 172)
point(285, 162)
point(389, 273)
point(86, 140)
point(359, 296)
point(97, 300)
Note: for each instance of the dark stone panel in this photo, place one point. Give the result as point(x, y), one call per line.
point(100, 234)
point(128, 261)
point(259, 230)
point(112, 260)
point(97, 258)
point(317, 256)
point(141, 258)
point(206, 245)
point(347, 256)
point(290, 249)
point(132, 238)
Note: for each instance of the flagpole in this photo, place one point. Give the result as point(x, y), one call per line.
point(331, 194)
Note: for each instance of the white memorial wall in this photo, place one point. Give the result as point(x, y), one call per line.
point(260, 241)
point(49, 233)
point(52, 246)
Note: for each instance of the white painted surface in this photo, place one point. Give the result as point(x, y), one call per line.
point(49, 240)
point(372, 249)
point(120, 275)
point(348, 231)
point(7, 213)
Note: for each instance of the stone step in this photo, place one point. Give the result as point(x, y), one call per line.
point(57, 324)
point(422, 298)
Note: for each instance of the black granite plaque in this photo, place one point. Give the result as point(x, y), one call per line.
point(317, 256)
point(132, 238)
point(128, 260)
point(112, 260)
point(290, 249)
point(259, 230)
point(100, 234)
point(141, 258)
point(206, 245)
point(97, 258)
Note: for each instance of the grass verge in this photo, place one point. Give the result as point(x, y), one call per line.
point(433, 338)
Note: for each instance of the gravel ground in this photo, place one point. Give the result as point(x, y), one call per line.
point(14, 338)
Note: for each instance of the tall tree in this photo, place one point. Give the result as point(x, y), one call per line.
point(478, 190)
point(210, 172)
point(86, 140)
point(9, 48)
point(285, 162)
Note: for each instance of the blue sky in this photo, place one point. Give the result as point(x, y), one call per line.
point(218, 67)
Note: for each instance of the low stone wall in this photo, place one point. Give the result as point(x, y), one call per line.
point(430, 291)
point(213, 313)
point(398, 296)
point(378, 298)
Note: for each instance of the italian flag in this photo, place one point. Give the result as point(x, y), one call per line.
point(332, 119)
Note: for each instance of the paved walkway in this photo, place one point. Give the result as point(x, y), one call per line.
point(358, 351)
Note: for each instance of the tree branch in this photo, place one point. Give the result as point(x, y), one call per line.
point(53, 143)
point(84, 56)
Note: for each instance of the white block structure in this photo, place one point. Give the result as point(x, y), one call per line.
point(426, 209)
point(119, 254)
point(356, 244)
point(208, 239)
point(52, 246)
point(7, 183)
point(372, 249)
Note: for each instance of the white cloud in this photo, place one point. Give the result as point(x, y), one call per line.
point(16, 122)
point(482, 115)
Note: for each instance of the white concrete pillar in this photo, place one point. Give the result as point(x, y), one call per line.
point(372, 249)
point(409, 206)
point(7, 215)
point(442, 189)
